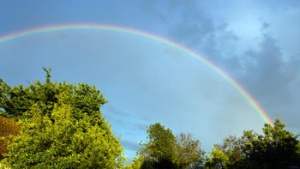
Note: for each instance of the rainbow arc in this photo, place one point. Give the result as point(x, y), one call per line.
point(182, 48)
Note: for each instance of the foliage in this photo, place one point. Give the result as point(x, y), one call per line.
point(8, 128)
point(187, 151)
point(217, 158)
point(64, 143)
point(160, 143)
point(61, 126)
point(231, 152)
point(136, 163)
point(3, 166)
point(17, 100)
point(275, 148)
point(164, 150)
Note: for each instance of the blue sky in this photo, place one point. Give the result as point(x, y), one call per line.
point(147, 81)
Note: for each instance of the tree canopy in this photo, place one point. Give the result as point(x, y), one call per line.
point(61, 126)
point(164, 150)
point(83, 98)
point(274, 148)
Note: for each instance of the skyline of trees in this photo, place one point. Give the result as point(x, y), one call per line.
point(60, 125)
point(275, 148)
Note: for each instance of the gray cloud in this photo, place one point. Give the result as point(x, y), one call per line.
point(190, 25)
point(262, 70)
point(112, 109)
point(270, 81)
point(130, 145)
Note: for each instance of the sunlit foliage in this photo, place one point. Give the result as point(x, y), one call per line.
point(165, 151)
point(61, 126)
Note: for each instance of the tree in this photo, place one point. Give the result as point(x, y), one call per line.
point(164, 150)
point(17, 100)
point(61, 126)
point(64, 143)
point(276, 148)
point(160, 145)
point(136, 163)
point(233, 148)
point(218, 158)
point(188, 153)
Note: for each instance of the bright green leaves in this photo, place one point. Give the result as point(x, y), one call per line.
point(136, 163)
point(61, 126)
point(217, 158)
point(64, 142)
point(15, 101)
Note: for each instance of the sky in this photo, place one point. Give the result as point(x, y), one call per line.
point(149, 80)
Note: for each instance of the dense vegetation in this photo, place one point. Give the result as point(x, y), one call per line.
point(276, 148)
point(60, 125)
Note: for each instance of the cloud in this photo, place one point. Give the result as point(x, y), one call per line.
point(259, 62)
point(269, 79)
point(265, 25)
point(112, 109)
point(192, 26)
point(130, 145)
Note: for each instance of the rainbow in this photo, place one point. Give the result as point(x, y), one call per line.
point(182, 48)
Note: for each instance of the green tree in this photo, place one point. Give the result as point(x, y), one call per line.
point(61, 127)
point(233, 148)
point(160, 145)
point(276, 148)
point(217, 158)
point(64, 143)
point(83, 98)
point(188, 153)
point(136, 163)
point(164, 150)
